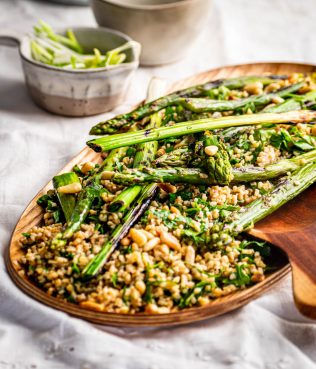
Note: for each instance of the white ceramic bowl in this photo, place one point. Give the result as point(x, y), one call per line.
point(166, 29)
point(78, 92)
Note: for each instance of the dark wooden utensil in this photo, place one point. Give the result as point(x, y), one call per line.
point(293, 229)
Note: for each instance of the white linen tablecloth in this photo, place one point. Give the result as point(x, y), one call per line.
point(266, 334)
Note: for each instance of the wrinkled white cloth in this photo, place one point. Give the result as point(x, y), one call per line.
point(267, 333)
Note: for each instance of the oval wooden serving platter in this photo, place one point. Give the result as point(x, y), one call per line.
point(33, 214)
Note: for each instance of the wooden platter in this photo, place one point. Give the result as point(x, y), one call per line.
point(33, 214)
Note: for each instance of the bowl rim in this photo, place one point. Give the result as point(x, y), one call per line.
point(108, 69)
point(174, 4)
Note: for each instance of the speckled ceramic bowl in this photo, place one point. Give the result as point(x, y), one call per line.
point(78, 92)
point(166, 29)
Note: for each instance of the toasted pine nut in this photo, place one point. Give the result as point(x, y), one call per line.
point(86, 167)
point(294, 77)
point(277, 100)
point(160, 152)
point(107, 174)
point(125, 241)
point(151, 244)
point(167, 187)
point(202, 300)
point(174, 210)
point(190, 255)
point(255, 88)
point(70, 188)
point(141, 286)
point(305, 89)
point(147, 234)
point(91, 305)
point(154, 309)
point(211, 150)
point(138, 236)
point(272, 87)
point(170, 240)
point(257, 277)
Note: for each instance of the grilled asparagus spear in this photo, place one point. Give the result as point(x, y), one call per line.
point(200, 177)
point(67, 200)
point(145, 153)
point(186, 128)
point(120, 231)
point(113, 125)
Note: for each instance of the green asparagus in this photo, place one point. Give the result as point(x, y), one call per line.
point(295, 103)
point(200, 177)
point(286, 190)
point(119, 232)
point(113, 125)
point(199, 105)
point(67, 201)
point(186, 128)
point(217, 162)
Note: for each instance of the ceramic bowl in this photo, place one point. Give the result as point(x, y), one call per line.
point(166, 29)
point(78, 92)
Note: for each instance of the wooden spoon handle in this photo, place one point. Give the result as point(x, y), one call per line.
point(304, 290)
point(301, 250)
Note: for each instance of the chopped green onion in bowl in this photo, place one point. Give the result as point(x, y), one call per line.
point(64, 51)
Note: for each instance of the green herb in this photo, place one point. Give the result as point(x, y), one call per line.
point(291, 140)
point(242, 278)
point(131, 151)
point(196, 291)
point(114, 279)
point(71, 299)
point(261, 246)
point(75, 268)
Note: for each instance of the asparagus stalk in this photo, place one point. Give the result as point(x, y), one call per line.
point(120, 231)
point(109, 162)
point(113, 125)
point(286, 190)
point(198, 176)
point(67, 201)
point(82, 208)
point(90, 192)
point(217, 163)
point(232, 132)
point(145, 152)
point(283, 166)
point(176, 158)
point(86, 197)
point(123, 201)
point(199, 105)
point(186, 128)
point(296, 103)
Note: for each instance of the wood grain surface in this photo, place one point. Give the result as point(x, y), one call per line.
point(304, 283)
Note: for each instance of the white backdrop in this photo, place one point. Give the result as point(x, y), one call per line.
point(266, 334)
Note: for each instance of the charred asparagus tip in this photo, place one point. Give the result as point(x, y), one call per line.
point(107, 174)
